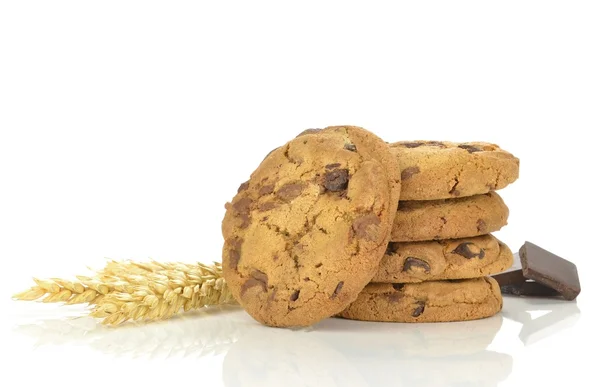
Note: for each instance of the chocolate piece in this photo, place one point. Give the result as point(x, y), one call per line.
point(470, 148)
point(338, 289)
point(408, 172)
point(290, 191)
point(543, 275)
point(419, 309)
point(350, 147)
point(551, 270)
point(336, 180)
point(411, 262)
point(366, 227)
point(469, 250)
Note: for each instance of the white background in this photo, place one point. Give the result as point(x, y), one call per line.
point(126, 126)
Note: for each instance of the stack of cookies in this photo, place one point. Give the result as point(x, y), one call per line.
point(441, 250)
point(338, 222)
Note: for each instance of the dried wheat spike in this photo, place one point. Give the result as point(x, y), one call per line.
point(130, 290)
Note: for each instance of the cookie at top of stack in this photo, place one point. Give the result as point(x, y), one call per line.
point(306, 233)
point(436, 268)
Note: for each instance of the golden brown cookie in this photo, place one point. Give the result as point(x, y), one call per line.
point(432, 170)
point(305, 234)
point(435, 301)
point(449, 218)
point(406, 262)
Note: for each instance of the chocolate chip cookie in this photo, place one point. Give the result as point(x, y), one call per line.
point(406, 262)
point(433, 170)
point(449, 218)
point(306, 233)
point(435, 301)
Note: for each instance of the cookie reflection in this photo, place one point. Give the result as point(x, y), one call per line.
point(351, 353)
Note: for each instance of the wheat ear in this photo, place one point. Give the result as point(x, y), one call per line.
point(130, 290)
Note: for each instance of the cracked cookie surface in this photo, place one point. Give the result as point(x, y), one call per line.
point(409, 262)
point(434, 301)
point(449, 218)
point(433, 170)
point(305, 234)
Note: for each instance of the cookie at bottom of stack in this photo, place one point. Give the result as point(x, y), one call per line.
point(433, 301)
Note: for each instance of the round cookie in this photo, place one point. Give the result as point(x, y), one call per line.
point(305, 234)
point(409, 262)
point(449, 218)
point(435, 301)
point(432, 170)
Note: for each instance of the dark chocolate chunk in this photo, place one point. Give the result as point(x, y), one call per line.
point(266, 189)
point(408, 172)
point(551, 270)
point(336, 180)
point(295, 295)
point(366, 227)
point(309, 131)
point(338, 289)
point(413, 144)
point(470, 148)
point(391, 249)
point(411, 262)
point(398, 286)
point(419, 309)
point(244, 186)
point(290, 191)
point(481, 225)
point(235, 253)
point(543, 275)
point(332, 166)
point(469, 250)
point(350, 147)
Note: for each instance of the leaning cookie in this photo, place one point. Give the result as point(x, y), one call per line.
point(435, 301)
point(306, 233)
point(408, 262)
point(449, 218)
point(432, 170)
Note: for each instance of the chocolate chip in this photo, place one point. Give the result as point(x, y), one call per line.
point(318, 265)
point(412, 144)
point(235, 253)
point(309, 131)
point(366, 227)
point(245, 220)
point(398, 286)
point(470, 148)
point(267, 206)
point(244, 186)
point(338, 289)
point(412, 262)
point(243, 205)
point(350, 147)
point(290, 191)
point(481, 226)
point(295, 295)
point(435, 143)
point(391, 249)
point(258, 279)
point(336, 180)
point(266, 189)
point(419, 309)
point(252, 282)
point(408, 172)
point(332, 166)
point(469, 250)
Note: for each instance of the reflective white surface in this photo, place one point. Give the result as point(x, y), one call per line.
point(225, 347)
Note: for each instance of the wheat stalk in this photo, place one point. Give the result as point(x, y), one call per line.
point(130, 290)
